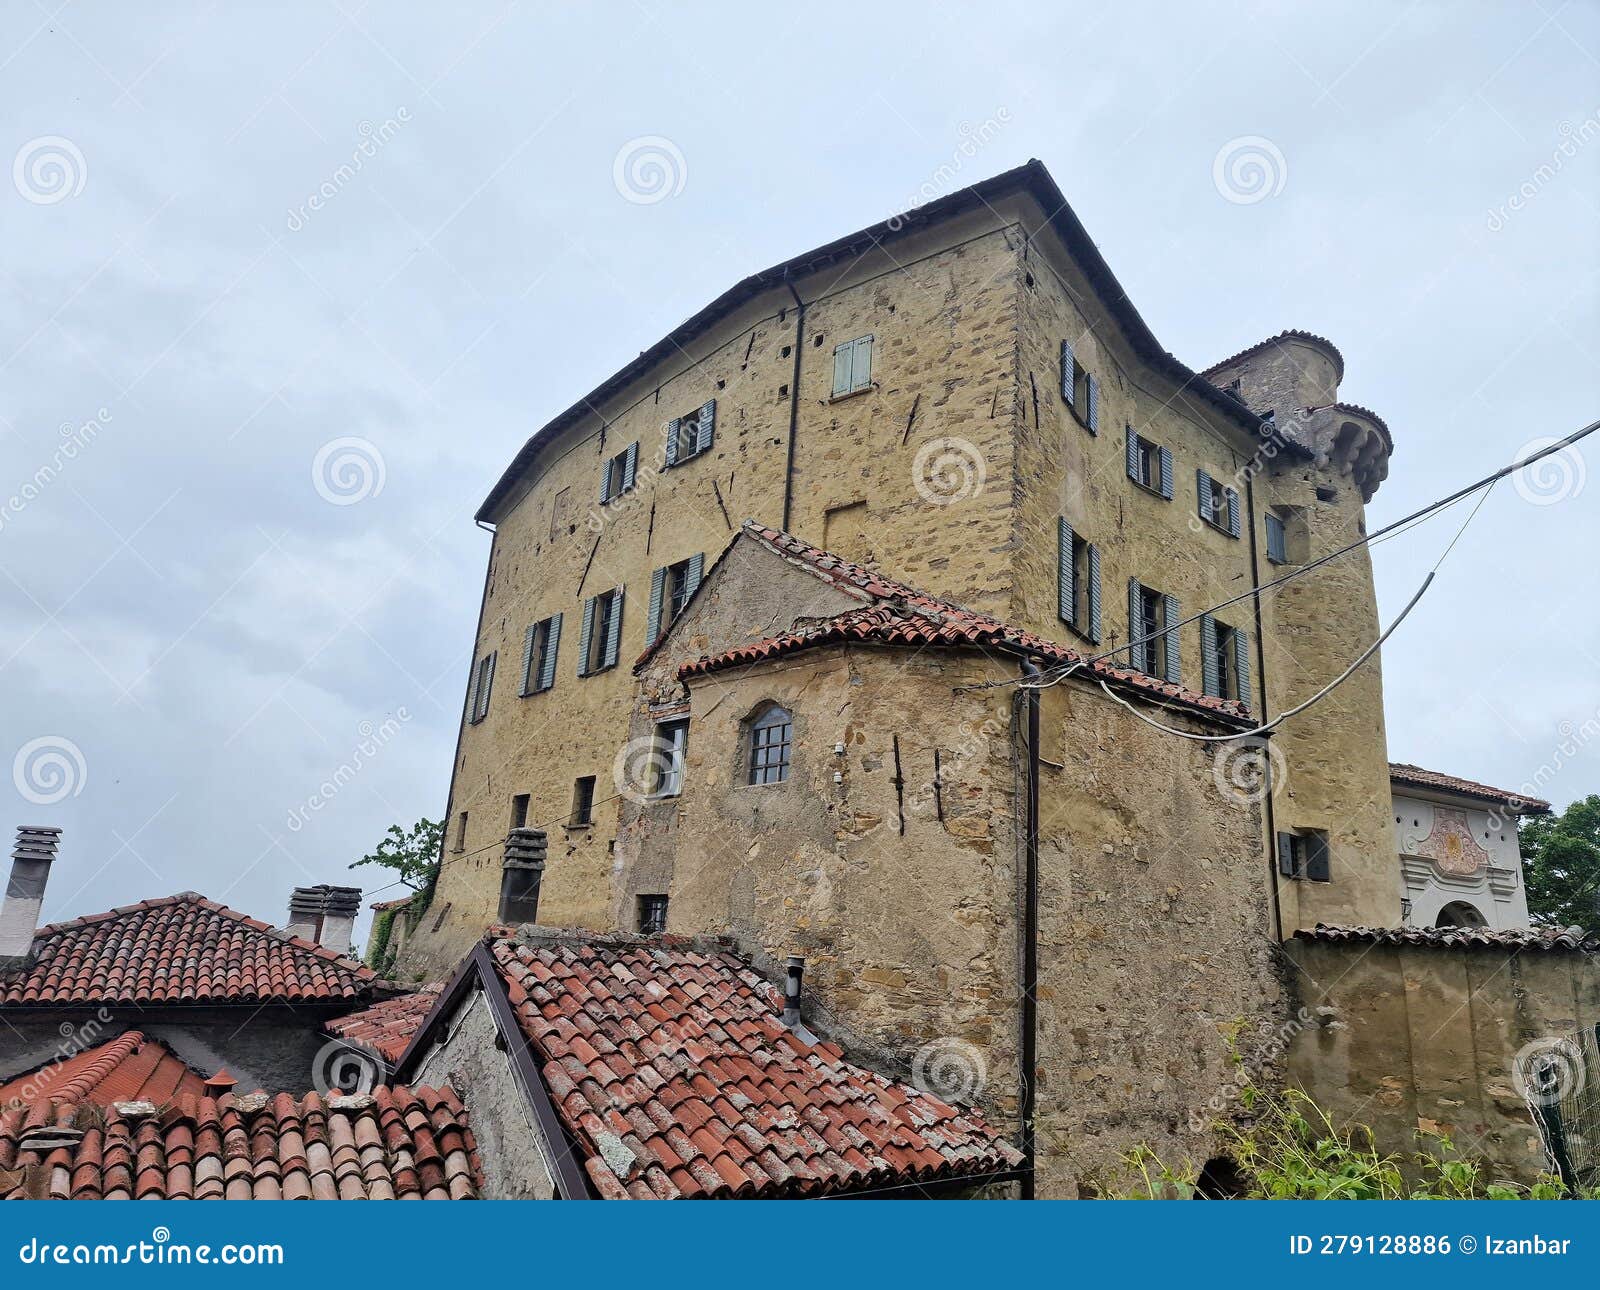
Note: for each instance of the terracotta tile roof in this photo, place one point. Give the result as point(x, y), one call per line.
point(675, 1077)
point(399, 902)
point(896, 614)
point(129, 1068)
point(1458, 938)
point(386, 1028)
point(179, 949)
point(1409, 776)
point(395, 1143)
point(1270, 342)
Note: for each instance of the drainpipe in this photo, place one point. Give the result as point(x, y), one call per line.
point(1030, 932)
point(1268, 815)
point(794, 399)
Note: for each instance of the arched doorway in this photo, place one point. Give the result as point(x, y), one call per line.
point(1460, 913)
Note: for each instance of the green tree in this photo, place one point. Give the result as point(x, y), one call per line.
point(1561, 865)
point(414, 855)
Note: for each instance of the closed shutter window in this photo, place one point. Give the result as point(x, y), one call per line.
point(852, 366)
point(547, 663)
point(1277, 540)
point(1093, 419)
point(614, 633)
point(1069, 373)
point(1066, 591)
point(1317, 868)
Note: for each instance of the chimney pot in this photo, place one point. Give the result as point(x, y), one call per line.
point(793, 979)
point(521, 872)
point(220, 1084)
point(31, 859)
point(325, 914)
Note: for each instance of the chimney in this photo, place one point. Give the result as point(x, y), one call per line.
point(30, 870)
point(520, 875)
point(220, 1084)
point(324, 914)
point(792, 980)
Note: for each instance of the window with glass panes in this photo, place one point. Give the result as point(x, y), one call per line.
point(770, 740)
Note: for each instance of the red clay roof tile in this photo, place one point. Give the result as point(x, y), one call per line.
point(386, 1028)
point(805, 1121)
point(129, 1068)
point(184, 949)
point(1409, 776)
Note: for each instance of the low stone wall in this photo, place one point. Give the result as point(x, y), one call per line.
point(1409, 1038)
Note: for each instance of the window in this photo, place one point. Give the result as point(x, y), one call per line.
point(670, 589)
point(652, 914)
point(1304, 855)
point(1288, 538)
point(771, 736)
point(1277, 540)
point(1149, 464)
point(478, 690)
point(1152, 631)
point(601, 638)
point(618, 474)
point(852, 366)
point(666, 766)
point(461, 831)
point(1225, 660)
point(519, 811)
point(1080, 389)
point(539, 646)
point(582, 801)
point(1218, 506)
point(691, 434)
point(1077, 582)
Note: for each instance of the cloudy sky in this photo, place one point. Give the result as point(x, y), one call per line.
point(214, 599)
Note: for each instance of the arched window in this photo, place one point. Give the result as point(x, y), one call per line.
point(1460, 913)
point(770, 740)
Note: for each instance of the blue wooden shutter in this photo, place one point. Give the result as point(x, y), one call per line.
point(605, 481)
point(1241, 664)
point(487, 687)
point(586, 635)
point(1170, 610)
point(472, 693)
point(1069, 373)
point(652, 628)
point(707, 427)
point(1233, 512)
point(1212, 680)
point(1286, 864)
point(1094, 594)
point(630, 466)
point(552, 642)
point(697, 569)
point(1277, 540)
point(1132, 443)
point(1202, 492)
point(673, 427)
point(1166, 473)
point(529, 639)
point(1317, 857)
point(1138, 650)
point(614, 635)
point(1066, 593)
point(861, 366)
point(843, 356)
point(1094, 404)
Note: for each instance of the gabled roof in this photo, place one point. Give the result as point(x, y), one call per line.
point(1404, 775)
point(1543, 939)
point(674, 1076)
point(129, 1068)
point(386, 1028)
point(395, 1143)
point(181, 949)
point(893, 613)
point(1031, 178)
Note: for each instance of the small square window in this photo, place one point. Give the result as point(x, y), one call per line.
point(1303, 855)
point(652, 915)
point(583, 801)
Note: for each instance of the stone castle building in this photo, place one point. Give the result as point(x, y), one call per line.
point(755, 648)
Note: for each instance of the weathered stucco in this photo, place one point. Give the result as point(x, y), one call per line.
point(1421, 1038)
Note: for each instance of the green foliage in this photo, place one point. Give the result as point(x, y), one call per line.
point(414, 855)
point(1561, 864)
